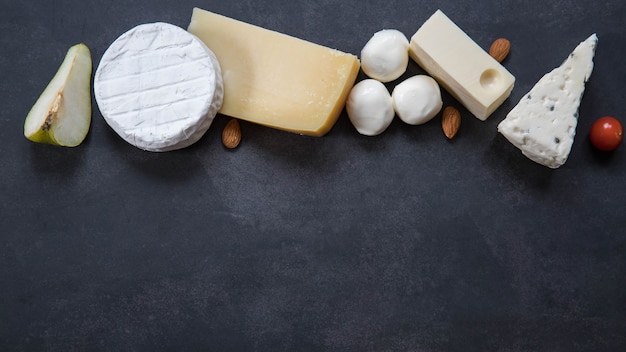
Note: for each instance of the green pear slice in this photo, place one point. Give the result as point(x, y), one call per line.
point(62, 114)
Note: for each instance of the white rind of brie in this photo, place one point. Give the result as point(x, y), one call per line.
point(543, 124)
point(159, 87)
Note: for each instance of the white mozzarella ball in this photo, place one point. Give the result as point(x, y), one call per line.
point(369, 107)
point(417, 99)
point(386, 55)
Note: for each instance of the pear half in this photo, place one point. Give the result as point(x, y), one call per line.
point(62, 114)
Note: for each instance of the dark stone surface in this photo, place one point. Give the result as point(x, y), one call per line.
point(402, 242)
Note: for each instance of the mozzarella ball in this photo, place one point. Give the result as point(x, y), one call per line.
point(386, 55)
point(369, 107)
point(417, 99)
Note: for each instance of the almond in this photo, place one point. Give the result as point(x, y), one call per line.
point(450, 121)
point(231, 136)
point(500, 48)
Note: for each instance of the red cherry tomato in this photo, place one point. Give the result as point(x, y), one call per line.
point(606, 133)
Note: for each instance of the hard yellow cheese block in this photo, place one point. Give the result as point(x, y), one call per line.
point(274, 79)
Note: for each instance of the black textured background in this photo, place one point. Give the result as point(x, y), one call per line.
point(401, 242)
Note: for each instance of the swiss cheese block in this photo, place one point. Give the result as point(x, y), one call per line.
point(543, 124)
point(159, 87)
point(274, 79)
point(462, 67)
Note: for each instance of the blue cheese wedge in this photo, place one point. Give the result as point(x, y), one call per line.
point(543, 124)
point(159, 87)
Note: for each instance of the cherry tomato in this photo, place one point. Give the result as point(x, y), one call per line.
point(606, 133)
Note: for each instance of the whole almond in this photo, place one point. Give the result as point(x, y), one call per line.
point(450, 121)
point(231, 135)
point(500, 48)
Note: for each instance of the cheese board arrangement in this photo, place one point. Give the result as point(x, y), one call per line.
point(354, 176)
point(160, 87)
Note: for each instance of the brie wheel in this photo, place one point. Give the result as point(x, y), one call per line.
point(159, 87)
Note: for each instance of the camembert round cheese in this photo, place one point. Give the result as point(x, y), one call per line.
point(159, 87)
